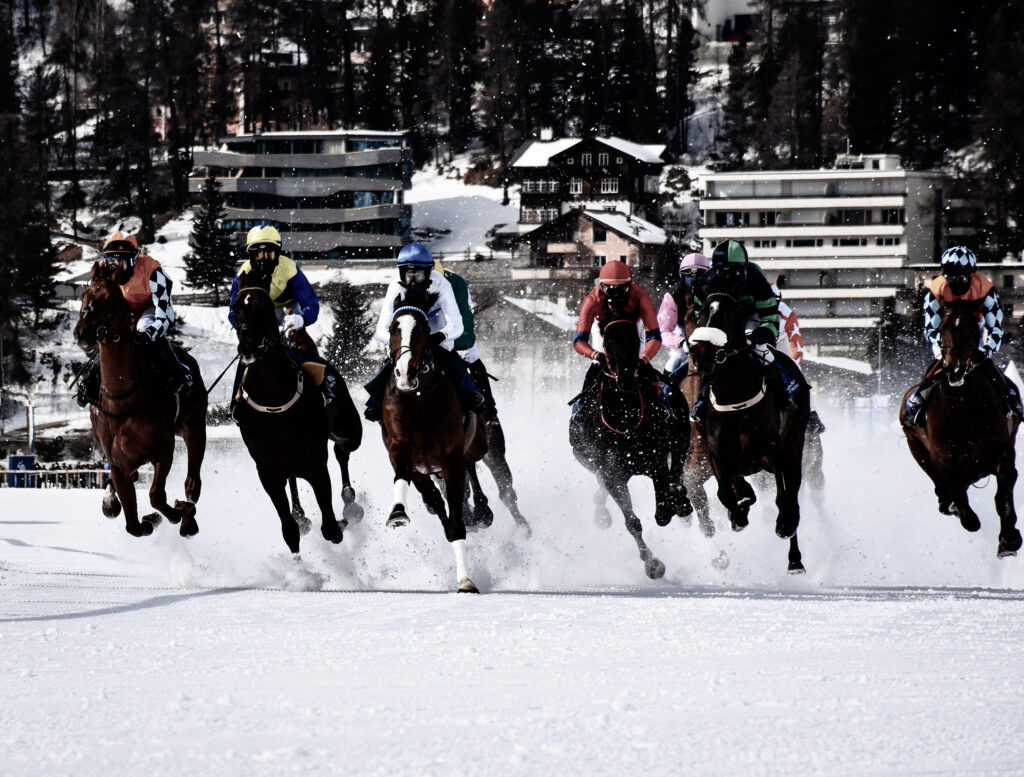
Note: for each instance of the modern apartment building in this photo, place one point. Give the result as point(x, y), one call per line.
point(333, 194)
point(844, 239)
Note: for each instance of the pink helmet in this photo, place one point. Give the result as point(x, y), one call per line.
point(694, 264)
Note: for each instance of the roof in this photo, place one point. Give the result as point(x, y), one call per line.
point(538, 153)
point(344, 133)
point(630, 227)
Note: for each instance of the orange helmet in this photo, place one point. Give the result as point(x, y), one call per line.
point(614, 273)
point(120, 246)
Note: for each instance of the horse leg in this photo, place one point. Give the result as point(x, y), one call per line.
point(664, 497)
point(320, 480)
point(194, 434)
point(923, 458)
point(498, 465)
point(620, 493)
point(454, 471)
point(352, 511)
point(182, 512)
point(298, 514)
point(694, 478)
point(796, 566)
point(730, 498)
point(403, 476)
point(961, 505)
point(602, 518)
point(482, 513)
point(814, 457)
point(786, 500)
point(111, 504)
point(126, 493)
point(1006, 477)
point(274, 485)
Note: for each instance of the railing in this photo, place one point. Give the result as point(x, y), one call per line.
point(53, 478)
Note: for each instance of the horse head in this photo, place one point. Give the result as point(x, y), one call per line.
point(622, 350)
point(411, 351)
point(719, 325)
point(104, 317)
point(959, 338)
point(255, 323)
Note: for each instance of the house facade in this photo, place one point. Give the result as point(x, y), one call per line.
point(613, 174)
point(333, 194)
point(843, 239)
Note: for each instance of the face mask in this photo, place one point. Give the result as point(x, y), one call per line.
point(959, 284)
point(412, 276)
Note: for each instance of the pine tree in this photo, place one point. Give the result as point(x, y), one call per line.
point(736, 134)
point(211, 263)
point(352, 330)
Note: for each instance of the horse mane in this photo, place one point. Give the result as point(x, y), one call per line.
point(417, 298)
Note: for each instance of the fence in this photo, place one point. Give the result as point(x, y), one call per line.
point(53, 478)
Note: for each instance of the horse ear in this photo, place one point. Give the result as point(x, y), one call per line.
point(96, 271)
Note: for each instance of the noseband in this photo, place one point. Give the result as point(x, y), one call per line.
point(426, 360)
point(266, 342)
point(613, 322)
point(103, 330)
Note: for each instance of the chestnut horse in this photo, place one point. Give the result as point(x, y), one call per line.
point(745, 432)
point(967, 434)
point(424, 431)
point(138, 416)
point(281, 417)
point(617, 435)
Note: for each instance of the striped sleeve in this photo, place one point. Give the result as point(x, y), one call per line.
point(992, 313)
point(163, 313)
point(932, 320)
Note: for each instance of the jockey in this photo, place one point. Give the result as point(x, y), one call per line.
point(960, 282)
point(295, 304)
point(672, 312)
point(465, 343)
point(730, 267)
point(416, 272)
point(147, 289)
point(791, 339)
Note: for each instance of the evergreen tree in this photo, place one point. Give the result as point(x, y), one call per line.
point(211, 263)
point(737, 129)
point(352, 330)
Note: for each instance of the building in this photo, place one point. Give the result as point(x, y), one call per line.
point(333, 194)
point(563, 257)
point(844, 239)
point(612, 174)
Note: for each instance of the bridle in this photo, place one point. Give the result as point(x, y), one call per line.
point(608, 370)
point(266, 342)
point(426, 365)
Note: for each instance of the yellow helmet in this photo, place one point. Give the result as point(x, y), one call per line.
point(265, 234)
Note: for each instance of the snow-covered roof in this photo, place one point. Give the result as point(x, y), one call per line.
point(650, 154)
point(635, 229)
point(552, 313)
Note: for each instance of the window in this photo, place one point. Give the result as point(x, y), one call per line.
point(585, 160)
point(1007, 281)
point(887, 241)
point(570, 161)
point(623, 258)
point(893, 215)
point(575, 186)
point(602, 159)
point(618, 160)
point(600, 235)
point(599, 260)
point(764, 244)
point(767, 218)
point(609, 186)
point(850, 241)
point(803, 243)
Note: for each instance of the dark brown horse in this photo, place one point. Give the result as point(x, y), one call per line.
point(745, 431)
point(498, 465)
point(281, 417)
point(424, 432)
point(967, 434)
point(138, 416)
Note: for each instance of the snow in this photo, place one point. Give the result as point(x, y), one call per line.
point(539, 152)
point(648, 153)
point(635, 228)
point(222, 654)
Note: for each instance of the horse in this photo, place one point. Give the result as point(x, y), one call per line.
point(282, 419)
point(967, 435)
point(137, 417)
point(617, 435)
point(745, 431)
point(424, 431)
point(697, 468)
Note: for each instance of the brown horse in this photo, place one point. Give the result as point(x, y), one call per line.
point(967, 434)
point(424, 432)
point(745, 432)
point(281, 417)
point(697, 469)
point(137, 416)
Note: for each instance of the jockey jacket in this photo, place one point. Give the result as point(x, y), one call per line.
point(443, 317)
point(756, 299)
point(149, 288)
point(638, 308)
point(460, 289)
point(288, 286)
point(670, 316)
point(981, 291)
point(790, 336)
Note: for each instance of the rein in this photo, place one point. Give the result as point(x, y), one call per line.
point(623, 431)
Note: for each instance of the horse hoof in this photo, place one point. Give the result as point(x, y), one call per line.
point(947, 508)
point(654, 568)
point(353, 512)
point(466, 586)
point(153, 519)
point(739, 522)
point(970, 522)
point(683, 507)
point(483, 517)
point(796, 568)
point(1009, 544)
point(398, 517)
point(142, 529)
point(785, 530)
point(183, 510)
point(348, 494)
point(189, 527)
point(721, 561)
point(112, 508)
point(333, 532)
point(707, 527)
point(304, 525)
point(603, 520)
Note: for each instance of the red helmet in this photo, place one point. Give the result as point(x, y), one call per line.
point(121, 247)
point(614, 273)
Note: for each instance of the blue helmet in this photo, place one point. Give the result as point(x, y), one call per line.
point(416, 255)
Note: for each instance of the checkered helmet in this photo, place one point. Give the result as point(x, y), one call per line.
point(958, 262)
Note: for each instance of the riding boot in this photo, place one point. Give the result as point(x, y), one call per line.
point(917, 401)
point(455, 367)
point(89, 386)
point(375, 388)
point(814, 424)
point(179, 377)
point(1005, 391)
point(328, 388)
point(483, 384)
point(781, 387)
point(699, 414)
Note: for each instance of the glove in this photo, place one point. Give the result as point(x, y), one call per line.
point(761, 349)
point(294, 322)
point(600, 360)
point(438, 338)
point(143, 336)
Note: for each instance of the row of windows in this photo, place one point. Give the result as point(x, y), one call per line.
point(313, 146)
point(391, 172)
point(537, 215)
point(608, 186)
point(846, 217)
point(586, 160)
point(375, 227)
point(843, 242)
point(540, 187)
point(260, 201)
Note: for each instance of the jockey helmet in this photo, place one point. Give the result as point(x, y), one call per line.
point(121, 248)
point(263, 244)
point(958, 265)
point(694, 264)
point(729, 260)
point(615, 279)
point(415, 263)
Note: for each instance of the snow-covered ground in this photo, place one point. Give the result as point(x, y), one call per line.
point(898, 652)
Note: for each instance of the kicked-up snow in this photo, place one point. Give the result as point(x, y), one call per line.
point(898, 652)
